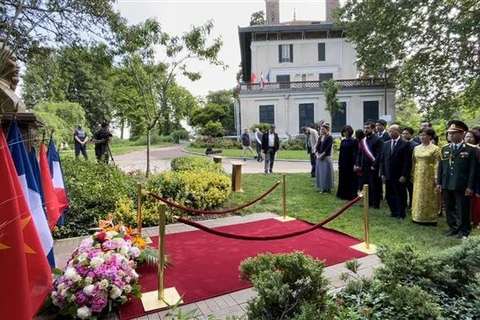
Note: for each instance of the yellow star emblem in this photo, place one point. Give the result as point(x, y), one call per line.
point(27, 248)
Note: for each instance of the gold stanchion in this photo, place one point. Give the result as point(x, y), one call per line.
point(284, 218)
point(366, 246)
point(162, 297)
point(139, 208)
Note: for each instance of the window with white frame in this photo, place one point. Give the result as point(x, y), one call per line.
point(267, 113)
point(285, 53)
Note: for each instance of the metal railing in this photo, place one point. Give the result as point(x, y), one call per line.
point(302, 85)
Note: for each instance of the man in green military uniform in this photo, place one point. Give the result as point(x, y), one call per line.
point(457, 180)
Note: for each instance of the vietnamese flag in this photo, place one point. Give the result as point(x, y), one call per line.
point(25, 276)
point(49, 194)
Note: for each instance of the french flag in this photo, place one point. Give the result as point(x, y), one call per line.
point(49, 195)
point(58, 182)
point(30, 189)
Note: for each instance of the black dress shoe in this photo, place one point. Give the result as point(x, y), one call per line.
point(451, 233)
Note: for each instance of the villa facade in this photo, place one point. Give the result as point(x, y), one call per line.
point(283, 67)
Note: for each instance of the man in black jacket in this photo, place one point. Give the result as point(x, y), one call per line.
point(270, 146)
point(395, 169)
point(368, 161)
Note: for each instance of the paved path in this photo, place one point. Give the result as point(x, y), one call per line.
point(230, 304)
point(160, 161)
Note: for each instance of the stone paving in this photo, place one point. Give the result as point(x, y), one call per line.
point(230, 304)
point(234, 303)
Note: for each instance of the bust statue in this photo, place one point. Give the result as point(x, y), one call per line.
point(9, 77)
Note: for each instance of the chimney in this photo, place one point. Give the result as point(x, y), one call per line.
point(330, 5)
point(273, 11)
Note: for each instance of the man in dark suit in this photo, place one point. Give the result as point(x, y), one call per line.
point(457, 180)
point(270, 146)
point(368, 161)
point(380, 130)
point(395, 170)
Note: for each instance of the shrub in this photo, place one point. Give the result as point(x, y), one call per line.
point(179, 135)
point(443, 285)
point(93, 191)
point(200, 189)
point(264, 127)
point(210, 142)
point(126, 212)
point(336, 144)
point(189, 163)
point(213, 128)
point(289, 286)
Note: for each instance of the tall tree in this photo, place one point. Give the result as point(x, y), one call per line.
point(331, 90)
point(218, 107)
point(433, 44)
point(27, 25)
point(156, 80)
point(258, 19)
point(75, 74)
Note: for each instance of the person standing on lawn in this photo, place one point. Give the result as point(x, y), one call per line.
point(457, 180)
point(311, 144)
point(270, 145)
point(258, 144)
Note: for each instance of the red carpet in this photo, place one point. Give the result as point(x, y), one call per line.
point(205, 266)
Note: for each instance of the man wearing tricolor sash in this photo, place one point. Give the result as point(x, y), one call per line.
point(368, 160)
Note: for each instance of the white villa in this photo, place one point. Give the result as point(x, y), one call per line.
point(284, 65)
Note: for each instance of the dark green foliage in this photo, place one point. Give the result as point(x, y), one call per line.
point(179, 135)
point(289, 286)
point(217, 143)
point(93, 191)
point(409, 286)
point(299, 143)
point(261, 126)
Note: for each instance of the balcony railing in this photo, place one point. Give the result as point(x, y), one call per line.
point(309, 85)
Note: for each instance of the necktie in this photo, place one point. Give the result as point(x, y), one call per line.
point(455, 148)
point(394, 142)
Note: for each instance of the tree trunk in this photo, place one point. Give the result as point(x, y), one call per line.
point(122, 127)
point(147, 172)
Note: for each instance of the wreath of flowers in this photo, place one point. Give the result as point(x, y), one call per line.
point(101, 273)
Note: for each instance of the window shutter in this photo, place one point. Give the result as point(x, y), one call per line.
point(279, 53)
point(291, 53)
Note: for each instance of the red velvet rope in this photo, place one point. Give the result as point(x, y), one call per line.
point(199, 211)
point(288, 235)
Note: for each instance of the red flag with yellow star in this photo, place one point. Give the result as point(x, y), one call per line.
point(25, 277)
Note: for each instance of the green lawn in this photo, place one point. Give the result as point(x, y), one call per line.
point(305, 202)
point(116, 148)
point(282, 154)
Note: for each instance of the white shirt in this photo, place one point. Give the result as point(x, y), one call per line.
point(271, 139)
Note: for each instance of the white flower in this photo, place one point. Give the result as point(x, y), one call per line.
point(88, 280)
point(134, 252)
point(124, 250)
point(104, 283)
point(96, 261)
point(115, 292)
point(111, 234)
point(128, 288)
point(70, 273)
point(84, 312)
point(88, 290)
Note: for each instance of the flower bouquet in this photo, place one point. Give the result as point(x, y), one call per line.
point(101, 273)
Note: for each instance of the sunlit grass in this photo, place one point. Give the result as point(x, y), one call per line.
point(305, 202)
point(281, 155)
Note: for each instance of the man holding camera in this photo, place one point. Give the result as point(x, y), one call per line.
point(102, 138)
